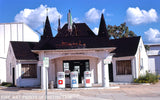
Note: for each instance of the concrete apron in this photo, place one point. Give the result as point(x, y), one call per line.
point(82, 87)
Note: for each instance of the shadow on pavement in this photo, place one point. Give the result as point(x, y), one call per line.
point(17, 88)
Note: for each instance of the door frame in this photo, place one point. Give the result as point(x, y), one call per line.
point(13, 76)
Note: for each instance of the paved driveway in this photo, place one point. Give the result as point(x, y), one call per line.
point(125, 92)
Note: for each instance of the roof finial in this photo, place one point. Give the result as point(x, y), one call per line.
point(59, 24)
point(47, 11)
point(69, 18)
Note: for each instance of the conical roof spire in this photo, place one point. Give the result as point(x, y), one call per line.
point(102, 28)
point(47, 32)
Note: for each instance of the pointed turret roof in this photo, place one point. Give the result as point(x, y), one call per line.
point(47, 32)
point(102, 28)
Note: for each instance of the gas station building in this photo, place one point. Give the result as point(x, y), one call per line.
point(76, 48)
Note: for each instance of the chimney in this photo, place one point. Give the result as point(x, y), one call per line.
point(69, 19)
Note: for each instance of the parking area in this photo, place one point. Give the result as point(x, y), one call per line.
point(125, 92)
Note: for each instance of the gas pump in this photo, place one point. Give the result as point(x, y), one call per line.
point(74, 79)
point(87, 79)
point(61, 80)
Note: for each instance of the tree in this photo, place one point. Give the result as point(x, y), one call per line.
point(120, 31)
point(147, 47)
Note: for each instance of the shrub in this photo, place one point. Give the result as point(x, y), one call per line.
point(148, 78)
point(7, 84)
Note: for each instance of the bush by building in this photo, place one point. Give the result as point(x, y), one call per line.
point(148, 78)
point(7, 84)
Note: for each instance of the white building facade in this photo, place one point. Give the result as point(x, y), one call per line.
point(125, 69)
point(76, 49)
point(154, 58)
point(94, 57)
point(138, 63)
point(12, 32)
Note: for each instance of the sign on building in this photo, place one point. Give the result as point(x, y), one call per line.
point(46, 62)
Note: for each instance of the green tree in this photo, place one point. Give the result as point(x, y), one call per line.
point(120, 31)
point(147, 47)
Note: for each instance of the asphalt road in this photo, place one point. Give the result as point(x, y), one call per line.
point(125, 92)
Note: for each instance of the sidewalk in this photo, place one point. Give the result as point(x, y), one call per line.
point(125, 92)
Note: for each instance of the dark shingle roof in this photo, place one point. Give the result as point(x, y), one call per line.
point(71, 43)
point(22, 50)
point(79, 30)
point(80, 37)
point(125, 46)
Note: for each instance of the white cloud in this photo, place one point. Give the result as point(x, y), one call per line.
point(152, 35)
point(76, 20)
point(35, 17)
point(108, 14)
point(95, 30)
point(136, 16)
point(93, 15)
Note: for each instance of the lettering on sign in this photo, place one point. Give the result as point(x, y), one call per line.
point(46, 62)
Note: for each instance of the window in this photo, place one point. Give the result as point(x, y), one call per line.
point(29, 71)
point(124, 67)
point(87, 66)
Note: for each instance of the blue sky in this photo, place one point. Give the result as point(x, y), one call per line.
point(141, 16)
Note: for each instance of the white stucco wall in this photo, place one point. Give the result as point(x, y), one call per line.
point(13, 32)
point(154, 58)
point(27, 82)
point(155, 47)
point(154, 64)
point(10, 63)
point(123, 78)
point(2, 70)
point(141, 60)
point(13, 63)
point(95, 56)
point(139, 64)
